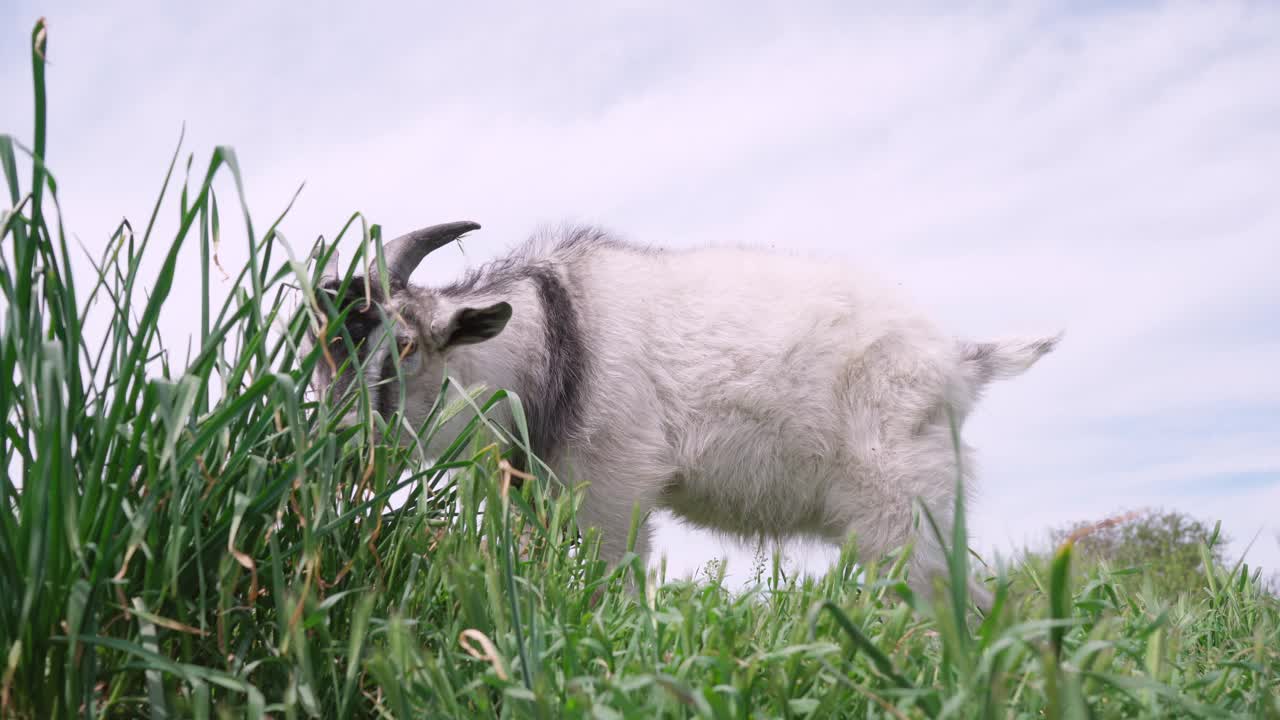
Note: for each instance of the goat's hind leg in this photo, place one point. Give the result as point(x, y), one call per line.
point(883, 508)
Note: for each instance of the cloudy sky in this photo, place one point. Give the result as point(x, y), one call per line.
point(1105, 168)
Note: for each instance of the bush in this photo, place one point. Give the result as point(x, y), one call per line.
point(1168, 548)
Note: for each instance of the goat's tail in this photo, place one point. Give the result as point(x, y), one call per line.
point(987, 361)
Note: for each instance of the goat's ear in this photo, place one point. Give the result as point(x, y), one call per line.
point(473, 325)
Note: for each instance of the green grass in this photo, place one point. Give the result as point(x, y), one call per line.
point(203, 541)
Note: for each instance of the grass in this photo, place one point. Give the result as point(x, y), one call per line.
point(203, 540)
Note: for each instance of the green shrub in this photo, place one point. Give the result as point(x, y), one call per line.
point(1166, 547)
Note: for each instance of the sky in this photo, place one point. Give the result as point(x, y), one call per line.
point(1106, 169)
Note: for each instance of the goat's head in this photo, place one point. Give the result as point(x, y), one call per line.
point(397, 336)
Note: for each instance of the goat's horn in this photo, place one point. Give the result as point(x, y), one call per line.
point(405, 253)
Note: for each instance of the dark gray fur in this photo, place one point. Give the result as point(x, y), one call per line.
point(555, 403)
point(387, 392)
point(361, 321)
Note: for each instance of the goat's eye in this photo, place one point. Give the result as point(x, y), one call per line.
point(404, 345)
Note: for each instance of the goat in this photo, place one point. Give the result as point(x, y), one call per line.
point(750, 392)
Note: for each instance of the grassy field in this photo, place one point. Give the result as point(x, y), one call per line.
point(201, 540)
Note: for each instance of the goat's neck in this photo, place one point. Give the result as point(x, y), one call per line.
point(512, 359)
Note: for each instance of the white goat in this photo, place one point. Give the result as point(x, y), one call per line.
point(749, 392)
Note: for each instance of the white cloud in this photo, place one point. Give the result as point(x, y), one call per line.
point(1020, 168)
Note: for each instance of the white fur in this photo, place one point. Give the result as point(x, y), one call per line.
point(749, 392)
